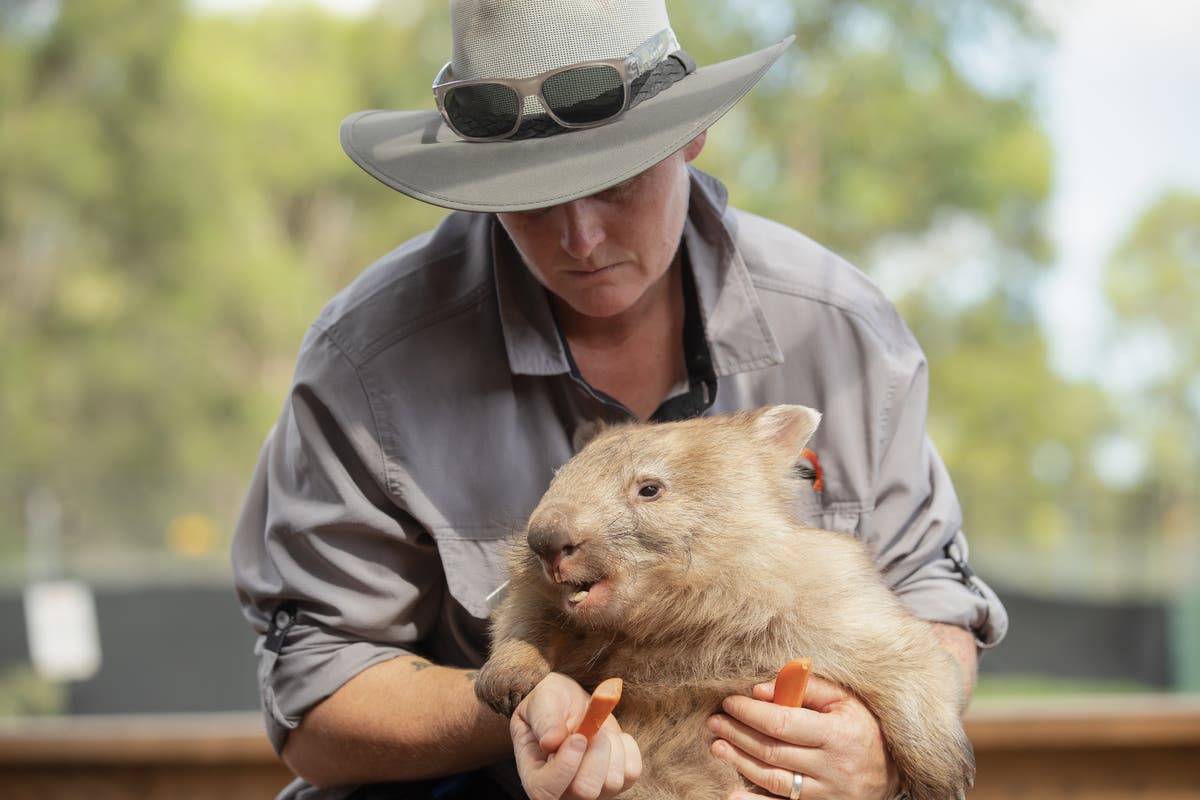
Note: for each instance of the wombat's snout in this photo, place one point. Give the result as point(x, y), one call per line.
point(555, 535)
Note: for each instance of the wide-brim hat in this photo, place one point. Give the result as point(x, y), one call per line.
point(416, 153)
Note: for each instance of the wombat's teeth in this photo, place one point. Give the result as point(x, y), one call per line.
point(579, 596)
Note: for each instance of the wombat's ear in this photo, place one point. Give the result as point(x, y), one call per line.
point(787, 427)
point(586, 432)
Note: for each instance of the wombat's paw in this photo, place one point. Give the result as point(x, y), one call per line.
point(502, 689)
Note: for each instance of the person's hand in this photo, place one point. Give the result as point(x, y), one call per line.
point(833, 741)
point(555, 764)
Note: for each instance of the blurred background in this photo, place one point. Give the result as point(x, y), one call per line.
point(1021, 176)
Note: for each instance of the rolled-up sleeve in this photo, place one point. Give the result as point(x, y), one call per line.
point(915, 527)
point(330, 570)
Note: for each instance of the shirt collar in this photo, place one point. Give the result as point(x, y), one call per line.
point(734, 324)
point(739, 337)
point(530, 335)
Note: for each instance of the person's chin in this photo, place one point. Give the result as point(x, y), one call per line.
point(600, 301)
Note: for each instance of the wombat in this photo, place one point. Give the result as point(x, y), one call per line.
point(670, 555)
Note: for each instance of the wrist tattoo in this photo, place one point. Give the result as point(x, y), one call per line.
point(419, 665)
point(473, 675)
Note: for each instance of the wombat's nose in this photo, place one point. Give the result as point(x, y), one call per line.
point(550, 536)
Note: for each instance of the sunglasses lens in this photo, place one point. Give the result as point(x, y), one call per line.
point(585, 94)
point(481, 110)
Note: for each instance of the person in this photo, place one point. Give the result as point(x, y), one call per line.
point(588, 272)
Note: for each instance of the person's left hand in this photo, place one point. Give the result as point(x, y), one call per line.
point(833, 741)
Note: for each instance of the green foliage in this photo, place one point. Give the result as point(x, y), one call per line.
point(1153, 284)
point(23, 694)
point(869, 126)
point(175, 210)
point(1154, 276)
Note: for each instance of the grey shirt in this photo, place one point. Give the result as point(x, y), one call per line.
point(433, 400)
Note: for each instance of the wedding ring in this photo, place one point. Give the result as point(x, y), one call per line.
point(797, 786)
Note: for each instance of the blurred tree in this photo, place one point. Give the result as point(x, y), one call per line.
point(91, 233)
point(174, 210)
point(1153, 285)
point(879, 117)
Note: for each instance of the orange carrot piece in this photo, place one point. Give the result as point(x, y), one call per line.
point(604, 700)
point(792, 681)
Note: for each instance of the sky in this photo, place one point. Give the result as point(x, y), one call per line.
point(1120, 99)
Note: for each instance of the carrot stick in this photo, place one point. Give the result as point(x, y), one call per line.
point(604, 700)
point(792, 681)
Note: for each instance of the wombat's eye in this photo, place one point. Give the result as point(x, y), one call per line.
point(649, 491)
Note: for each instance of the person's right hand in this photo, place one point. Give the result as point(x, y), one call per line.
point(555, 764)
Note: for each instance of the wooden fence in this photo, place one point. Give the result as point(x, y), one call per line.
point(1032, 749)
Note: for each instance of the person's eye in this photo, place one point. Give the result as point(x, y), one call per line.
point(618, 193)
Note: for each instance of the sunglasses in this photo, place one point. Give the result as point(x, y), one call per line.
point(581, 95)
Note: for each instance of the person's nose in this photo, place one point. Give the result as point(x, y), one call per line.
point(583, 228)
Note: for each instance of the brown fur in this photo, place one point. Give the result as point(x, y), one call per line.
point(708, 588)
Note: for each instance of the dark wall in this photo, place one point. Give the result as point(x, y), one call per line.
point(162, 650)
point(189, 649)
point(1077, 639)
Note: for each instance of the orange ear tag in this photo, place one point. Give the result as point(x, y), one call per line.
point(819, 482)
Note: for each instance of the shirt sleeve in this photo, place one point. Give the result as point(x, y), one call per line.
point(915, 527)
point(330, 571)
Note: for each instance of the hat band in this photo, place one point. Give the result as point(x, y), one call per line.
point(674, 68)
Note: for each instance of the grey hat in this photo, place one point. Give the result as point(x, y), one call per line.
point(415, 152)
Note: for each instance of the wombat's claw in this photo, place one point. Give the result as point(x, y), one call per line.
point(506, 704)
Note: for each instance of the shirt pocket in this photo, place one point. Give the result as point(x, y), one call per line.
point(474, 560)
point(844, 519)
point(815, 510)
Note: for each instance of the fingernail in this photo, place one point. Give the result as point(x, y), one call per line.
point(714, 723)
point(575, 743)
point(720, 749)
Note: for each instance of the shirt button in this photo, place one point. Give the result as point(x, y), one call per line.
point(282, 619)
